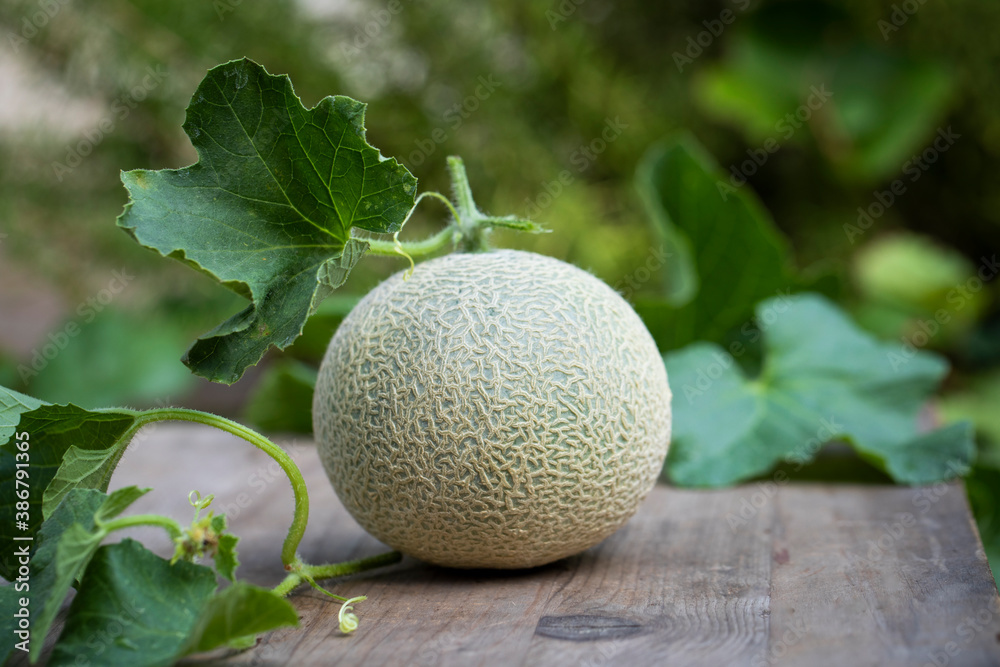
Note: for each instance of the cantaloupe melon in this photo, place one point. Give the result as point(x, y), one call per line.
point(499, 409)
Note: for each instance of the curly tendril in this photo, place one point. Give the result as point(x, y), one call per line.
point(348, 619)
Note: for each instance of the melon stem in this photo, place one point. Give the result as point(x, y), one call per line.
point(468, 230)
point(471, 222)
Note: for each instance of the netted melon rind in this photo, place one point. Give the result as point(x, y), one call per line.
point(497, 410)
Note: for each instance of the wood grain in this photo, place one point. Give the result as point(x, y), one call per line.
point(757, 575)
point(881, 576)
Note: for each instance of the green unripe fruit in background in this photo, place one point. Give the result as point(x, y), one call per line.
point(499, 409)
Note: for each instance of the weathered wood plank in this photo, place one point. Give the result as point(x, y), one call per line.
point(880, 576)
point(696, 592)
point(777, 575)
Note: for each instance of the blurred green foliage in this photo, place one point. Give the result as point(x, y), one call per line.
point(870, 136)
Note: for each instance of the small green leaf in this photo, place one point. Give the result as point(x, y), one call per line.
point(269, 207)
point(226, 560)
point(514, 222)
point(118, 501)
point(823, 379)
point(66, 543)
point(218, 523)
point(236, 615)
point(133, 609)
point(724, 247)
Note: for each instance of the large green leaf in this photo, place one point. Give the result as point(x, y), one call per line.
point(133, 608)
point(823, 379)
point(734, 254)
point(136, 609)
point(69, 447)
point(268, 208)
point(67, 542)
point(786, 78)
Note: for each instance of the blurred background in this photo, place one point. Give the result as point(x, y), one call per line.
point(869, 130)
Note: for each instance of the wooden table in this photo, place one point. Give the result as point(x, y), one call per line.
point(755, 575)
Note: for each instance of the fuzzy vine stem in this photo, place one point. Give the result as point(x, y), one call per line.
point(420, 248)
point(298, 571)
point(473, 232)
point(301, 572)
point(168, 524)
point(301, 513)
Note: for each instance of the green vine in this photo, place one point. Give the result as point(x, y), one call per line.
point(299, 571)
